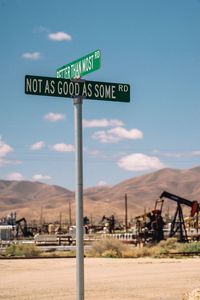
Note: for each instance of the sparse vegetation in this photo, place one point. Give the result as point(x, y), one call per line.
point(30, 250)
point(22, 250)
point(110, 248)
point(116, 249)
point(135, 252)
point(58, 254)
point(167, 247)
point(107, 248)
point(190, 247)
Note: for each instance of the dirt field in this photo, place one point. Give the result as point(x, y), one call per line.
point(117, 279)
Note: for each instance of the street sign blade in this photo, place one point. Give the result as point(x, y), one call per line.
point(80, 67)
point(58, 87)
point(106, 91)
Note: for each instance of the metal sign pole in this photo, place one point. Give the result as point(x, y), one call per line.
point(79, 200)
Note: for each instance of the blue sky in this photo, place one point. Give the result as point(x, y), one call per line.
point(152, 45)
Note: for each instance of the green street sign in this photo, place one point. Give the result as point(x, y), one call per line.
point(58, 87)
point(80, 67)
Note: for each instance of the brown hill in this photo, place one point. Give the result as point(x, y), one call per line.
point(34, 200)
point(144, 190)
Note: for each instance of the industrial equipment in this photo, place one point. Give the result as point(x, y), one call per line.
point(21, 225)
point(108, 223)
point(178, 223)
point(53, 239)
point(149, 226)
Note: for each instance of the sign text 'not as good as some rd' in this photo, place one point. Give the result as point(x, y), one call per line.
point(58, 87)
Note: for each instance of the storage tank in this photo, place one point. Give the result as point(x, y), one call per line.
point(6, 232)
point(51, 228)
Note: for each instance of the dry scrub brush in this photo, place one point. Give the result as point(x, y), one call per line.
point(107, 248)
point(116, 249)
point(22, 250)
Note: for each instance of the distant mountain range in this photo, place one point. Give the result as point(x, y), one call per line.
point(36, 201)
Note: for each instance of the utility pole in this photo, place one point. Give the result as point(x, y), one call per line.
point(66, 85)
point(79, 199)
point(41, 216)
point(60, 221)
point(70, 213)
point(126, 213)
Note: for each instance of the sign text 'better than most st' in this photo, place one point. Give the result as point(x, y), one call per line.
point(80, 67)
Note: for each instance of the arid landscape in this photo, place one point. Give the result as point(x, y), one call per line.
point(30, 199)
point(139, 279)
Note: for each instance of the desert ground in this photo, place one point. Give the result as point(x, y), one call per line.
point(117, 279)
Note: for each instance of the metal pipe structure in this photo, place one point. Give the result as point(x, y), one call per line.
point(177, 199)
point(126, 213)
point(178, 223)
point(79, 199)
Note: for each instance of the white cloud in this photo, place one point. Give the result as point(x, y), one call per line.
point(140, 162)
point(122, 133)
point(174, 154)
point(195, 153)
point(52, 117)
point(38, 146)
point(4, 148)
point(15, 176)
point(4, 162)
point(31, 55)
point(38, 177)
point(117, 134)
point(61, 147)
point(170, 154)
point(102, 123)
point(59, 36)
point(102, 183)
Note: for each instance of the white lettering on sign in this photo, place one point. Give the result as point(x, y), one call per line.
point(97, 54)
point(89, 90)
point(68, 88)
point(33, 85)
point(77, 89)
point(52, 84)
point(64, 73)
point(84, 92)
point(88, 63)
point(59, 87)
point(71, 88)
point(123, 88)
point(82, 66)
point(105, 91)
point(49, 87)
